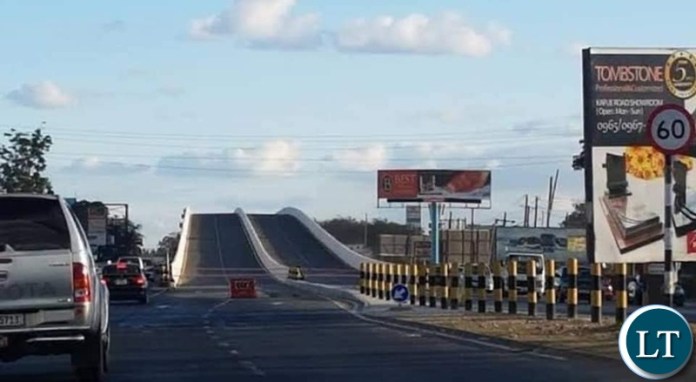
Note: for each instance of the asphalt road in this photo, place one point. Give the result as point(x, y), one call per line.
point(197, 334)
point(293, 245)
point(218, 250)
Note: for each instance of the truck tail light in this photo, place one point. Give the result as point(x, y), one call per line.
point(82, 291)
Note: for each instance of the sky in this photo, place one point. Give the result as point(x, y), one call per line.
point(264, 104)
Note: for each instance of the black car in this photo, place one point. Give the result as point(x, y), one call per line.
point(126, 282)
point(636, 287)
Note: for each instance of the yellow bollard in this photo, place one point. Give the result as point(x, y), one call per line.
point(596, 293)
point(482, 288)
point(531, 288)
point(454, 285)
point(497, 287)
point(468, 287)
point(512, 287)
point(572, 297)
point(620, 271)
point(550, 289)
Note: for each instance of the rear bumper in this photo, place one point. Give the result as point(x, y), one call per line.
point(126, 293)
point(18, 344)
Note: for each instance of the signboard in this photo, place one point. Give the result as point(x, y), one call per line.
point(242, 288)
point(96, 225)
point(622, 87)
point(399, 293)
point(464, 186)
point(413, 216)
point(558, 244)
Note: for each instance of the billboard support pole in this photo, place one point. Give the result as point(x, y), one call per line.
point(434, 233)
point(669, 283)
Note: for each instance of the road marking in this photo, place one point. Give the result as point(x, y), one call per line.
point(276, 303)
point(254, 370)
point(234, 352)
point(224, 344)
point(214, 337)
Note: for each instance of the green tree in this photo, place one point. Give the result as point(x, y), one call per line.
point(22, 162)
point(168, 243)
point(577, 218)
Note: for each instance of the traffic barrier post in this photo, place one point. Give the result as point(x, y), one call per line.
point(550, 289)
point(380, 280)
point(512, 287)
point(362, 278)
point(531, 288)
point(433, 285)
point(468, 287)
point(497, 287)
point(620, 282)
point(454, 286)
point(481, 287)
point(572, 290)
point(422, 283)
point(444, 281)
point(388, 277)
point(403, 271)
point(372, 269)
point(412, 270)
point(596, 293)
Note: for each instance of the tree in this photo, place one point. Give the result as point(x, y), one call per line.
point(168, 243)
point(22, 162)
point(577, 218)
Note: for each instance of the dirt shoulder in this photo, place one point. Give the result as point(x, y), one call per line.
point(577, 336)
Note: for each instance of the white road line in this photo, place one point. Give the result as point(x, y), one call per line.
point(214, 338)
point(224, 344)
point(234, 352)
point(254, 370)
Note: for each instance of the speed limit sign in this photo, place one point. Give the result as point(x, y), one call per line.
point(670, 129)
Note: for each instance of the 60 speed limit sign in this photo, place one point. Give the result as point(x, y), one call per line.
point(671, 129)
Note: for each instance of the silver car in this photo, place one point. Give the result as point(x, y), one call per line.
point(51, 299)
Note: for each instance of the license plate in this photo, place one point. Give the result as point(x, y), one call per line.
point(4, 342)
point(120, 282)
point(11, 320)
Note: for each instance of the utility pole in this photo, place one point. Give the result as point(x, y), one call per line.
point(526, 211)
point(536, 210)
point(365, 233)
point(553, 183)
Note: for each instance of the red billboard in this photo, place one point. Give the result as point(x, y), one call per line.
point(466, 186)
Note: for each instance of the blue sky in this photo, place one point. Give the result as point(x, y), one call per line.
point(268, 103)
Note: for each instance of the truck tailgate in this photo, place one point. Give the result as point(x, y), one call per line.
point(35, 280)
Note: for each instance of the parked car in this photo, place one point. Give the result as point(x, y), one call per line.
point(475, 281)
point(126, 282)
point(42, 243)
point(636, 287)
point(584, 286)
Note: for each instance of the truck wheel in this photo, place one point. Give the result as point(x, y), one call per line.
point(91, 362)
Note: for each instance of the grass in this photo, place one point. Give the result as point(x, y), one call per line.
point(571, 335)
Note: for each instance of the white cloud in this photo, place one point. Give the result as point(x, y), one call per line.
point(370, 158)
point(96, 166)
point(274, 157)
point(261, 23)
point(41, 95)
point(448, 33)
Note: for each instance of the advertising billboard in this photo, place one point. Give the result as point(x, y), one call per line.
point(464, 186)
point(625, 181)
point(413, 216)
point(96, 225)
point(555, 243)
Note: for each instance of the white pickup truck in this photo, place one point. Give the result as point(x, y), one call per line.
point(522, 261)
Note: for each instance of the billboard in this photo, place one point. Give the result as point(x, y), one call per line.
point(464, 186)
point(558, 244)
point(625, 181)
point(413, 216)
point(96, 224)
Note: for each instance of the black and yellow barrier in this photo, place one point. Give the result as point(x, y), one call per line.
point(373, 279)
point(433, 285)
point(497, 287)
point(388, 277)
point(454, 285)
point(443, 283)
point(550, 289)
point(403, 271)
point(412, 270)
point(380, 280)
point(295, 273)
point(362, 278)
point(620, 281)
point(422, 283)
point(531, 288)
point(572, 289)
point(512, 287)
point(596, 293)
point(481, 274)
point(468, 287)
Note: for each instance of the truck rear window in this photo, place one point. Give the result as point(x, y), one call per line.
point(32, 224)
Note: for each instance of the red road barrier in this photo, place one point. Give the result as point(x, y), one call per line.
point(242, 288)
